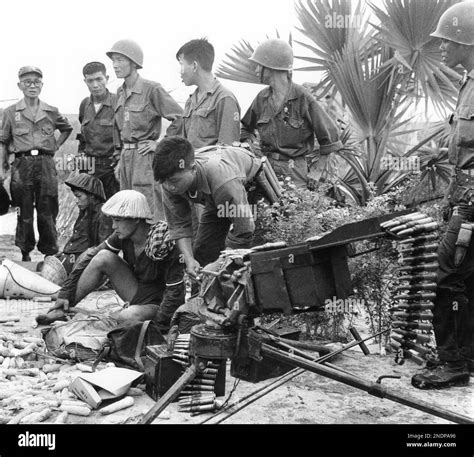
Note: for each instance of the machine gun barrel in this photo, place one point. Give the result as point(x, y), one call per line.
point(372, 388)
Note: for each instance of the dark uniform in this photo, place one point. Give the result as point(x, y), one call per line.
point(97, 140)
point(160, 282)
point(90, 229)
point(221, 176)
point(288, 133)
point(34, 181)
point(454, 311)
point(138, 114)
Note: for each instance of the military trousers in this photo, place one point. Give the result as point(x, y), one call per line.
point(34, 184)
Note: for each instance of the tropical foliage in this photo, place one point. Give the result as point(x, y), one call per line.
point(380, 67)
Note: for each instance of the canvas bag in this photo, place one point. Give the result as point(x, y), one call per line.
point(78, 339)
point(125, 345)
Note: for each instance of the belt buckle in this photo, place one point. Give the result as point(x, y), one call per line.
point(34, 152)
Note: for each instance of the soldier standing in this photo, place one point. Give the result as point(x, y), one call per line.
point(288, 118)
point(212, 113)
point(96, 115)
point(140, 106)
point(453, 314)
point(28, 132)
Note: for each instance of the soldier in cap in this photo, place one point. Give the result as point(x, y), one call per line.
point(28, 133)
point(288, 118)
point(149, 277)
point(96, 115)
point(453, 314)
point(140, 106)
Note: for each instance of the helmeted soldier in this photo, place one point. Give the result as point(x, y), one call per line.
point(139, 108)
point(288, 118)
point(453, 314)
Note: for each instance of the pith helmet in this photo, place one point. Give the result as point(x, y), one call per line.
point(87, 183)
point(127, 204)
point(274, 53)
point(130, 49)
point(457, 24)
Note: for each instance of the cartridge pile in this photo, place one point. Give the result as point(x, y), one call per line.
point(199, 395)
point(412, 315)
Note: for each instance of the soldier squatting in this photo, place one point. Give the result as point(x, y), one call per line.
point(160, 202)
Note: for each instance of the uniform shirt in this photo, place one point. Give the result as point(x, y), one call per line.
point(221, 176)
point(290, 130)
point(138, 115)
point(22, 132)
point(215, 118)
point(157, 279)
point(97, 128)
point(90, 229)
point(461, 140)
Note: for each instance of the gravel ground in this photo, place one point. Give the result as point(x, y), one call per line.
point(307, 399)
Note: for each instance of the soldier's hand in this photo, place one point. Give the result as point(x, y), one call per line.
point(146, 147)
point(193, 268)
point(61, 303)
point(317, 172)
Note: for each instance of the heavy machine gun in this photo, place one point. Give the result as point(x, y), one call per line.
point(273, 278)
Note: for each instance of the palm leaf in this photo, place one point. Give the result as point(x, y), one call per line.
point(405, 25)
point(238, 67)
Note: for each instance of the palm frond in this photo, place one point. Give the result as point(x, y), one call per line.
point(238, 67)
point(405, 25)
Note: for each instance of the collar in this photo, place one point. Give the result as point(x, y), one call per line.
point(211, 91)
point(107, 101)
point(201, 180)
point(137, 87)
point(292, 92)
point(21, 105)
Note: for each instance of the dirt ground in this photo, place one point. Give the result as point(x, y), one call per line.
point(307, 399)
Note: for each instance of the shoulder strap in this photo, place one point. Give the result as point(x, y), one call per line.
point(138, 349)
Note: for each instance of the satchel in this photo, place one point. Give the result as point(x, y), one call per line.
point(125, 345)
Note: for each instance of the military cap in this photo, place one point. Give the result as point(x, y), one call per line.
point(29, 69)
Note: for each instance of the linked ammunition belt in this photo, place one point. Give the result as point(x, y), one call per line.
point(199, 395)
point(411, 326)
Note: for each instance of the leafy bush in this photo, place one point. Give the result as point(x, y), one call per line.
point(303, 214)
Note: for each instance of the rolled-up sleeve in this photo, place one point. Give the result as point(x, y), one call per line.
point(324, 129)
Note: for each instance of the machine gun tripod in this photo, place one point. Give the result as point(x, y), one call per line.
point(242, 285)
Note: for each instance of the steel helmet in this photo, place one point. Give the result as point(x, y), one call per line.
point(87, 183)
point(127, 204)
point(129, 49)
point(275, 54)
point(457, 24)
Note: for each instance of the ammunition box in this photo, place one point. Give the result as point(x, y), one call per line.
point(298, 277)
point(161, 372)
